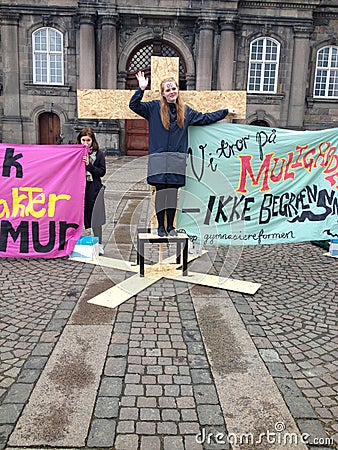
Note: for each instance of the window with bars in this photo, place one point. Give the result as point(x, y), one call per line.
point(142, 57)
point(48, 56)
point(326, 79)
point(263, 65)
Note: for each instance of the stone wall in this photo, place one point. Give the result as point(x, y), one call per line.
point(214, 40)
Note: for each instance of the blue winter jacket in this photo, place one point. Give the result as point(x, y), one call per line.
point(168, 148)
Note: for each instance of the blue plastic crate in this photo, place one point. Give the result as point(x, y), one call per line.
point(86, 247)
point(334, 247)
point(87, 240)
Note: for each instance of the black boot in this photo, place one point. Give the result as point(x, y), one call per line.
point(170, 220)
point(161, 232)
point(160, 212)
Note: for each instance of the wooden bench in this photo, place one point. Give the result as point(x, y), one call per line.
point(149, 238)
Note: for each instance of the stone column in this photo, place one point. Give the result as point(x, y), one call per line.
point(87, 53)
point(190, 80)
point(108, 53)
point(204, 62)
point(12, 123)
point(226, 54)
point(300, 64)
point(121, 80)
point(121, 84)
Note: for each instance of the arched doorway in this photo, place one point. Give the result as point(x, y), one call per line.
point(49, 128)
point(260, 123)
point(137, 129)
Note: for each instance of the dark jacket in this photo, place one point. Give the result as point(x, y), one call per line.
point(168, 148)
point(94, 196)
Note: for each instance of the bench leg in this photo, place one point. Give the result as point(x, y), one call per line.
point(137, 251)
point(185, 258)
point(178, 253)
point(141, 258)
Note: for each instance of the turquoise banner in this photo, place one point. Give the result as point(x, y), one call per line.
point(250, 185)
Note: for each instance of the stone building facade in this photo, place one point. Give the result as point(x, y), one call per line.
point(283, 53)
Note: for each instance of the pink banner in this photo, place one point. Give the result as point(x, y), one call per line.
point(41, 199)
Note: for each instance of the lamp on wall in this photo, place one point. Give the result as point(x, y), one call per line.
point(59, 139)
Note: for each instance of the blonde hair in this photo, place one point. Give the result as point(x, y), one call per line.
point(164, 108)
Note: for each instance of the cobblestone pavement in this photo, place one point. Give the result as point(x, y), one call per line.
point(292, 319)
point(157, 387)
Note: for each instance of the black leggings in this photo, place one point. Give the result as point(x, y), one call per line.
point(166, 204)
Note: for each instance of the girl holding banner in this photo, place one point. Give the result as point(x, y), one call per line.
point(169, 119)
point(94, 209)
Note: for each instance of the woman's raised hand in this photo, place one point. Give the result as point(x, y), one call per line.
point(142, 81)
